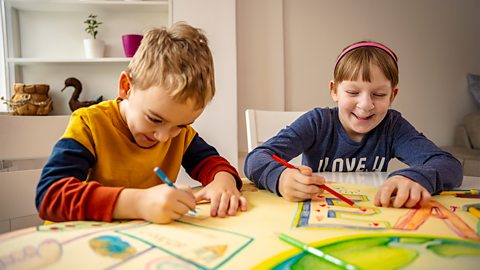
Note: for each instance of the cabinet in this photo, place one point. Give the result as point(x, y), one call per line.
point(44, 43)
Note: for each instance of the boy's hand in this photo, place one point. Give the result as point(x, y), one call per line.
point(163, 204)
point(223, 195)
point(407, 193)
point(300, 185)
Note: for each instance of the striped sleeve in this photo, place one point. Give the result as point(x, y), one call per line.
point(62, 196)
point(202, 162)
point(69, 199)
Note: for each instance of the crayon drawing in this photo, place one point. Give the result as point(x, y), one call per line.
point(394, 251)
point(111, 246)
point(327, 211)
point(133, 244)
point(38, 256)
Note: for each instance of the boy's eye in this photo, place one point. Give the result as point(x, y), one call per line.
point(154, 120)
point(379, 94)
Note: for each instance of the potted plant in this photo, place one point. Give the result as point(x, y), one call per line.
point(94, 47)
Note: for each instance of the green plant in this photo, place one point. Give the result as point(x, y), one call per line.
point(92, 25)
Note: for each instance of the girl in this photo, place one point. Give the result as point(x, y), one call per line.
point(361, 134)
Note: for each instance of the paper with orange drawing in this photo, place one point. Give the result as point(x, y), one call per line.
point(442, 216)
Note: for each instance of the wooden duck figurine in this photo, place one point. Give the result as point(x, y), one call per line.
point(74, 103)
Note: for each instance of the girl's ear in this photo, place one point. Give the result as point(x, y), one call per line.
point(394, 94)
point(124, 85)
point(333, 91)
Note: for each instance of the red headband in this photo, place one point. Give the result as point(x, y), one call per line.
point(366, 44)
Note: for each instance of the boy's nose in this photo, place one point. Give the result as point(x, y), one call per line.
point(163, 134)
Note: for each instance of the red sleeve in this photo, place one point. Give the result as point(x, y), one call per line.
point(70, 199)
point(205, 170)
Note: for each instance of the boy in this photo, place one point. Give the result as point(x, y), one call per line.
point(361, 134)
point(115, 145)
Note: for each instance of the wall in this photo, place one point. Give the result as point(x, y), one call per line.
point(437, 42)
point(218, 123)
point(3, 92)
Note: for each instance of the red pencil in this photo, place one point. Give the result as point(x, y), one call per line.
point(325, 187)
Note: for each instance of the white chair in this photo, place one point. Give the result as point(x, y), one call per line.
point(262, 125)
point(26, 142)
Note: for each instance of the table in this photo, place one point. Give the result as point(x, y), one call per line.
point(250, 240)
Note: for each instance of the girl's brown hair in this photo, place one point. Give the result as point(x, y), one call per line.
point(358, 57)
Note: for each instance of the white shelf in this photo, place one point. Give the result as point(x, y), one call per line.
point(85, 6)
point(44, 41)
point(33, 61)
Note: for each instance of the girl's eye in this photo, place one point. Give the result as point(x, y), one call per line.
point(380, 94)
point(350, 92)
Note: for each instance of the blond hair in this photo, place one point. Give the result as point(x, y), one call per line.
point(178, 60)
point(355, 59)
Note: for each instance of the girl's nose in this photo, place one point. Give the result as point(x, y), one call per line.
point(365, 103)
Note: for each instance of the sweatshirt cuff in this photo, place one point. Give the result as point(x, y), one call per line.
point(101, 203)
point(206, 170)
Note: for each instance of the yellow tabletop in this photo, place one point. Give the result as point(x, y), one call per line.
point(439, 235)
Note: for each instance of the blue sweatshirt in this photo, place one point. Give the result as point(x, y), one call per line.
point(325, 147)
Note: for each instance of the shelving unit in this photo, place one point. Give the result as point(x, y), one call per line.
point(34, 61)
point(44, 42)
point(86, 5)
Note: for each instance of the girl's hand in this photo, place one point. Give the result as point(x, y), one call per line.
point(224, 197)
point(300, 185)
point(400, 191)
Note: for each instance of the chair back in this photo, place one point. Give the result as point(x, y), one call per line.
point(262, 125)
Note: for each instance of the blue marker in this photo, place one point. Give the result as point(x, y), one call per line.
point(164, 177)
point(167, 181)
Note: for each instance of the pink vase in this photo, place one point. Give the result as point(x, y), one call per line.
point(131, 42)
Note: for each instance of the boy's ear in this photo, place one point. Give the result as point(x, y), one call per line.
point(333, 91)
point(124, 85)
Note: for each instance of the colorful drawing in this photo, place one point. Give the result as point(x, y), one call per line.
point(394, 251)
point(210, 253)
point(111, 246)
point(128, 245)
point(416, 217)
point(201, 246)
point(31, 257)
point(326, 211)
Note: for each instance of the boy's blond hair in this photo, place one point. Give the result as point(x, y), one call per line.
point(178, 60)
point(359, 59)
